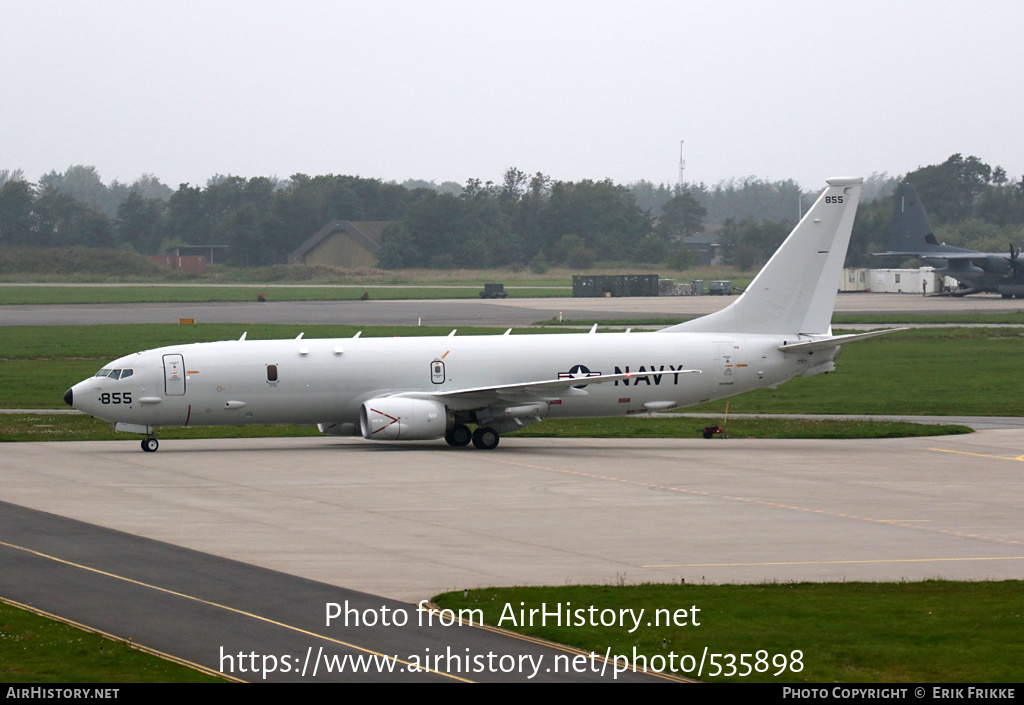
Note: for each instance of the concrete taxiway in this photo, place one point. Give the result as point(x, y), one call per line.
point(225, 553)
point(250, 522)
point(465, 312)
point(252, 624)
point(406, 521)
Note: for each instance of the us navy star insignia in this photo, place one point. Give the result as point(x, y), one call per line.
point(578, 372)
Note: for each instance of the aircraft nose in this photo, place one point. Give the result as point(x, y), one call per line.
point(69, 397)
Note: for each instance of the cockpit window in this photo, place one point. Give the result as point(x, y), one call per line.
point(115, 374)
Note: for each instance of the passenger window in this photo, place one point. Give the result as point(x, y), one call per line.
point(271, 373)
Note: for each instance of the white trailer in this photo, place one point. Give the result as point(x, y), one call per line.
point(905, 281)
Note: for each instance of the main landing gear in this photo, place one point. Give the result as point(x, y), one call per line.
point(150, 444)
point(484, 438)
point(459, 436)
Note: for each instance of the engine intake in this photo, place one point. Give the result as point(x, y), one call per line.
point(404, 419)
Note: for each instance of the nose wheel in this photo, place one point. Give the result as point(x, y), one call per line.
point(150, 444)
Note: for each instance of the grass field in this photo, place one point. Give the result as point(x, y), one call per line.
point(197, 293)
point(935, 371)
point(1015, 318)
point(932, 631)
point(942, 371)
point(923, 632)
point(35, 267)
point(35, 649)
point(78, 427)
point(284, 283)
point(888, 375)
point(690, 427)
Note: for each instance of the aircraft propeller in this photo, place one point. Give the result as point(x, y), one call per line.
point(1014, 261)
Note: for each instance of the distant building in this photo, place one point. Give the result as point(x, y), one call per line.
point(191, 264)
point(924, 280)
point(706, 249)
point(213, 254)
point(854, 279)
point(904, 281)
point(342, 243)
point(192, 259)
point(593, 285)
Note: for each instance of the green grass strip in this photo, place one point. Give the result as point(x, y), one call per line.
point(933, 631)
point(170, 293)
point(36, 649)
point(688, 427)
point(78, 427)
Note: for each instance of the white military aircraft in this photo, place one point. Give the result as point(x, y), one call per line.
point(436, 387)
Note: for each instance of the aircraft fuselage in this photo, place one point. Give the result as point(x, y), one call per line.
point(326, 381)
point(428, 388)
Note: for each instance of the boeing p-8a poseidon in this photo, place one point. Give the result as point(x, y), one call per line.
point(438, 387)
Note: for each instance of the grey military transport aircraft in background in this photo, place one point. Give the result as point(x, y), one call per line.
point(426, 388)
point(911, 235)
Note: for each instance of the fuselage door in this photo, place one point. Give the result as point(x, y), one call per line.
point(726, 363)
point(174, 375)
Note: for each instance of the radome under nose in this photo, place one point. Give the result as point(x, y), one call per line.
point(69, 397)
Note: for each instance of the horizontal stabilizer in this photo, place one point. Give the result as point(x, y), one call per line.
point(834, 341)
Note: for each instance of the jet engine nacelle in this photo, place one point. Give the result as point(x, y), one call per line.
point(404, 419)
point(956, 266)
point(997, 264)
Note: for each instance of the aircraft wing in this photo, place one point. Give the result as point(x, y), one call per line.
point(541, 390)
point(912, 253)
point(971, 256)
point(834, 341)
point(962, 255)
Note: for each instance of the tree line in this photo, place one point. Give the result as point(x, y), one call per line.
point(521, 221)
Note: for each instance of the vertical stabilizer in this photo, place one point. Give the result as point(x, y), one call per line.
point(796, 290)
point(910, 233)
point(909, 229)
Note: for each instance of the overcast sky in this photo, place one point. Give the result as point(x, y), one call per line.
point(442, 90)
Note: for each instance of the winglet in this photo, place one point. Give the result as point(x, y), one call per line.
point(796, 291)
